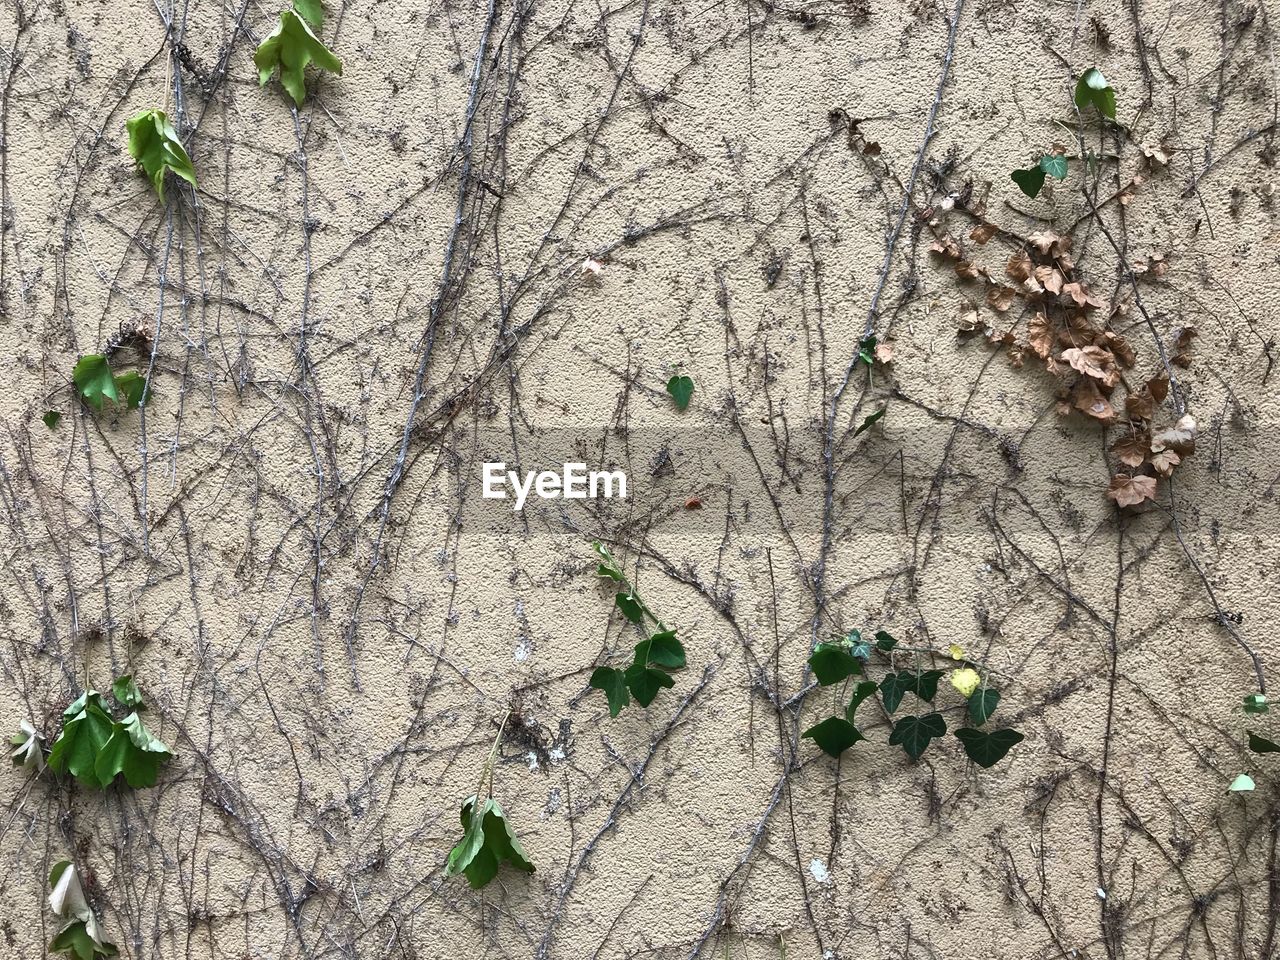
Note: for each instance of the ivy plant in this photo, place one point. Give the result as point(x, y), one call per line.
point(1255, 705)
point(95, 747)
point(81, 938)
point(681, 389)
point(1092, 90)
point(487, 838)
point(659, 653)
point(95, 382)
point(842, 659)
point(155, 146)
point(291, 46)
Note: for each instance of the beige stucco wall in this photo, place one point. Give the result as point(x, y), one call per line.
point(331, 682)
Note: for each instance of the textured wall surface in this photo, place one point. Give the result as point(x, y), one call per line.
point(367, 298)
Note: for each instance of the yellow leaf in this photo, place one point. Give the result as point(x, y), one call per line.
point(966, 680)
point(957, 652)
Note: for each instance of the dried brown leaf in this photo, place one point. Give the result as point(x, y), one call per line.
point(1129, 491)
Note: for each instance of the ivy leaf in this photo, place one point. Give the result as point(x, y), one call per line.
point(1093, 88)
point(614, 685)
point(51, 418)
point(126, 692)
point(28, 750)
point(607, 571)
point(867, 350)
point(86, 728)
point(133, 751)
point(834, 735)
point(289, 48)
point(630, 606)
point(154, 145)
point(1256, 703)
point(1054, 164)
point(662, 649)
point(77, 941)
point(923, 685)
point(487, 842)
point(986, 749)
point(870, 421)
point(645, 682)
point(914, 734)
point(982, 705)
point(1029, 181)
point(93, 380)
point(681, 390)
point(863, 690)
point(1262, 745)
point(311, 11)
point(132, 386)
point(1241, 784)
point(832, 662)
point(884, 641)
point(891, 691)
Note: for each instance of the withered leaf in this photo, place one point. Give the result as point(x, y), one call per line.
point(1120, 347)
point(983, 232)
point(1045, 241)
point(1040, 334)
point(1000, 297)
point(1132, 450)
point(1082, 296)
point(1142, 405)
point(1165, 461)
point(967, 319)
point(1050, 278)
point(1088, 399)
point(1129, 491)
point(1019, 266)
point(945, 246)
point(1093, 362)
point(968, 270)
point(1181, 437)
point(1182, 347)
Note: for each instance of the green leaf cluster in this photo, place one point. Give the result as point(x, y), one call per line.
point(154, 145)
point(292, 46)
point(655, 656)
point(487, 842)
point(95, 383)
point(95, 748)
point(839, 660)
point(1031, 180)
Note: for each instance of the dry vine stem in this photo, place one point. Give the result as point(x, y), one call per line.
point(496, 237)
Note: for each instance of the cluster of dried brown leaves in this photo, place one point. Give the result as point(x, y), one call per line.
point(1068, 330)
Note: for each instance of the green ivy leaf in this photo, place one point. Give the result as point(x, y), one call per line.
point(76, 941)
point(884, 641)
point(1093, 88)
point(86, 728)
point(645, 682)
point(832, 662)
point(863, 690)
point(614, 684)
point(289, 48)
point(51, 418)
point(1054, 164)
point(93, 380)
point(132, 386)
point(982, 704)
point(914, 734)
point(891, 691)
point(834, 735)
point(133, 751)
point(924, 685)
point(630, 606)
point(1029, 181)
point(681, 390)
point(311, 11)
point(1256, 703)
point(606, 571)
point(154, 145)
point(1241, 784)
point(986, 749)
point(870, 421)
point(126, 692)
point(867, 350)
point(662, 649)
point(1262, 745)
